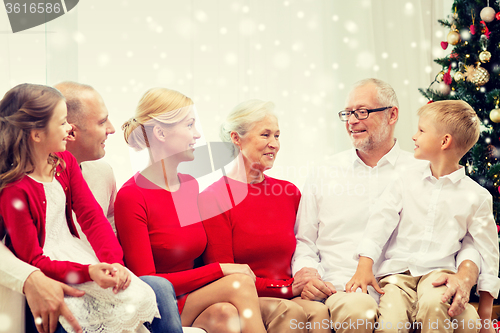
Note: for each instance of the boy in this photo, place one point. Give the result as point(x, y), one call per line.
point(420, 223)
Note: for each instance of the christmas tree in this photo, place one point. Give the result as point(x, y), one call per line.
point(471, 73)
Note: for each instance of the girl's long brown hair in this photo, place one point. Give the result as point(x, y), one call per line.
point(23, 108)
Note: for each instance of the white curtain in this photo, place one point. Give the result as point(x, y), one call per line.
point(301, 54)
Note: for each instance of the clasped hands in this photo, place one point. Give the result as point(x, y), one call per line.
point(110, 275)
point(308, 284)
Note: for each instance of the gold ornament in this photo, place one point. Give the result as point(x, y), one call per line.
point(495, 114)
point(458, 76)
point(439, 77)
point(477, 75)
point(469, 72)
point(481, 77)
point(485, 56)
point(453, 37)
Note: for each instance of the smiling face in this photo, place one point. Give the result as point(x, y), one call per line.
point(373, 132)
point(94, 129)
point(427, 140)
point(260, 145)
point(56, 132)
point(179, 139)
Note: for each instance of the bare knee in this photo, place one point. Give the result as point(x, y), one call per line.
point(241, 285)
point(219, 317)
point(240, 280)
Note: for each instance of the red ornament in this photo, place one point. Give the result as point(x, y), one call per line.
point(447, 76)
point(496, 326)
point(444, 45)
point(498, 228)
point(498, 16)
point(472, 29)
point(453, 55)
point(431, 101)
point(485, 30)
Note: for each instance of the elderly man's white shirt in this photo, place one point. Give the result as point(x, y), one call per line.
point(336, 203)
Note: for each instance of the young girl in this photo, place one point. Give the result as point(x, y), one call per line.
point(40, 185)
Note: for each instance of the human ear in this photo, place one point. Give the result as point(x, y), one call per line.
point(394, 115)
point(235, 138)
point(446, 141)
point(72, 133)
point(159, 133)
point(35, 135)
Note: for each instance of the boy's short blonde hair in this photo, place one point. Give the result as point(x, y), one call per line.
point(456, 118)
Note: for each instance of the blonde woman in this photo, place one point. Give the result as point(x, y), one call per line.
point(158, 222)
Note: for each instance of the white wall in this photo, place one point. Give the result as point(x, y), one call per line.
point(301, 54)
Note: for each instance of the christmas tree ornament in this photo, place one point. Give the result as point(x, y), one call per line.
point(469, 73)
point(444, 45)
point(497, 16)
point(484, 56)
point(447, 76)
point(495, 113)
point(453, 36)
point(484, 30)
point(493, 152)
point(481, 76)
point(458, 76)
point(472, 28)
point(443, 88)
point(439, 76)
point(487, 14)
point(477, 75)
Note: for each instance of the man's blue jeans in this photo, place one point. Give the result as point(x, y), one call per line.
point(170, 321)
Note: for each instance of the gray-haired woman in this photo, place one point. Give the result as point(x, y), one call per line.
point(249, 219)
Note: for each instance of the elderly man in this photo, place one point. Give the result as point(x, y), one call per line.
point(336, 203)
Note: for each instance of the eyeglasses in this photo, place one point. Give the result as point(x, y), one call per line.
point(360, 114)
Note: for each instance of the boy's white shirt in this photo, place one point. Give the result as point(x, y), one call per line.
point(421, 223)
